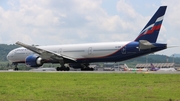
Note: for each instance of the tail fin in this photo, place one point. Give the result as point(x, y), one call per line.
point(153, 68)
point(151, 30)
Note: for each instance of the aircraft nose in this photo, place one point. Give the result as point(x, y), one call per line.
point(9, 56)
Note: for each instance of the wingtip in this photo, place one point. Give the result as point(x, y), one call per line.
point(17, 42)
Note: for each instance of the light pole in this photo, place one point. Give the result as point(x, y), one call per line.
point(146, 59)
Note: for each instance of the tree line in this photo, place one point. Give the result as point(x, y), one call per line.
point(5, 49)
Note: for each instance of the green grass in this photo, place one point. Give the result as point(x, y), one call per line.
point(34, 86)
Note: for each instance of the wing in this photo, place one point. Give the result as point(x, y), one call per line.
point(45, 54)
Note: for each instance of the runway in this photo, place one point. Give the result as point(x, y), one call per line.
point(138, 72)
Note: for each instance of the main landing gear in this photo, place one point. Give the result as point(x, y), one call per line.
point(63, 68)
point(15, 65)
point(85, 67)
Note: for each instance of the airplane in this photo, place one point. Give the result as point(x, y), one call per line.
point(153, 68)
point(81, 55)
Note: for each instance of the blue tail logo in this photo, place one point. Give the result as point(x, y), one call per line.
point(151, 31)
point(153, 68)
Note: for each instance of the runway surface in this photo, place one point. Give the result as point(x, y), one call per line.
point(151, 72)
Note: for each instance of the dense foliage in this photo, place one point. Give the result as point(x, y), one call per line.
point(155, 58)
point(152, 58)
point(5, 49)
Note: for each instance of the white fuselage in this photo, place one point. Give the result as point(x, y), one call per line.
point(77, 51)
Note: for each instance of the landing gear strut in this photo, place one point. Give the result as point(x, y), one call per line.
point(16, 68)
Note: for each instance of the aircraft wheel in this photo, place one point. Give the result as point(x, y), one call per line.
point(16, 69)
point(82, 69)
point(67, 68)
point(87, 69)
point(92, 69)
point(63, 68)
point(58, 69)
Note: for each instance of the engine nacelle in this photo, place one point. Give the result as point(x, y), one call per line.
point(34, 61)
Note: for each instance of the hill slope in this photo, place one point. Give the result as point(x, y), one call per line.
point(4, 50)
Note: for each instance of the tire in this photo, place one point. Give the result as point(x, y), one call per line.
point(67, 68)
point(16, 69)
point(58, 69)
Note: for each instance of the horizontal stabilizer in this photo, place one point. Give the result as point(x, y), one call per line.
point(172, 46)
point(144, 44)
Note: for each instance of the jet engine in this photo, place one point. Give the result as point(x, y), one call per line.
point(34, 61)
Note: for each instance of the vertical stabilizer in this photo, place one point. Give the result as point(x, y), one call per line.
point(151, 30)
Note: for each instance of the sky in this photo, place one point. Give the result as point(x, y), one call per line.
point(52, 22)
